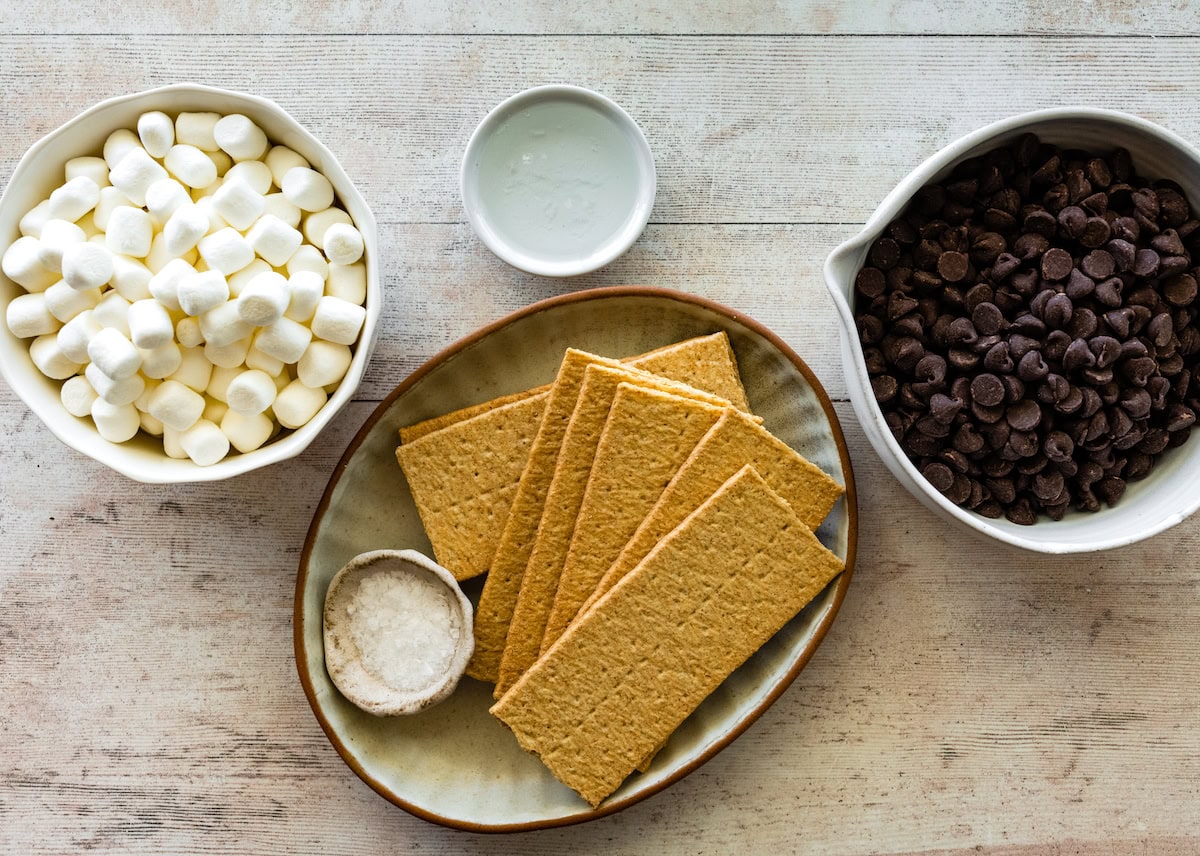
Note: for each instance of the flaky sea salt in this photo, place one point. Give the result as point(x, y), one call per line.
point(406, 628)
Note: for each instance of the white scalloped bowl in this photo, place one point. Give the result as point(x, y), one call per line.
point(1163, 499)
point(40, 170)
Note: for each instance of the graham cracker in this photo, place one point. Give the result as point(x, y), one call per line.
point(647, 437)
point(623, 678)
point(463, 499)
point(731, 444)
point(564, 496)
point(414, 432)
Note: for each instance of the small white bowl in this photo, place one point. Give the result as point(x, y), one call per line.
point(1161, 500)
point(558, 180)
point(41, 170)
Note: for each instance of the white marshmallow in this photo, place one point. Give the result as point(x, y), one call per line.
point(194, 371)
point(215, 221)
point(130, 232)
point(149, 424)
point(221, 161)
point(264, 299)
point(308, 257)
point(306, 291)
point(186, 226)
point(164, 285)
point(343, 244)
point(256, 359)
point(124, 391)
point(277, 204)
point(86, 266)
point(296, 404)
point(142, 402)
point(150, 325)
point(119, 144)
point(114, 354)
point(285, 340)
point(74, 199)
point(78, 396)
point(187, 332)
point(94, 168)
point(113, 311)
point(64, 302)
point(50, 360)
point(318, 222)
point(57, 236)
point(196, 129)
point(20, 264)
point(282, 380)
point(226, 251)
point(110, 200)
point(28, 316)
point(218, 384)
point(158, 257)
point(251, 391)
point(274, 240)
point(164, 198)
point(171, 444)
point(191, 166)
point(35, 218)
point(247, 275)
point(246, 431)
point(338, 320)
point(324, 363)
point(222, 325)
point(240, 137)
point(75, 335)
point(307, 189)
point(175, 405)
point(214, 411)
point(204, 443)
point(255, 173)
point(200, 292)
point(88, 223)
point(229, 356)
point(238, 203)
point(130, 278)
point(162, 361)
point(135, 173)
point(156, 132)
point(115, 422)
point(280, 159)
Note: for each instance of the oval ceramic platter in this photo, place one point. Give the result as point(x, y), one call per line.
point(454, 764)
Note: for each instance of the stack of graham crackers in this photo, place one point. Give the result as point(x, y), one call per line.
point(642, 534)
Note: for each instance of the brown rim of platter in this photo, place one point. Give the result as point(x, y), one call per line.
point(841, 584)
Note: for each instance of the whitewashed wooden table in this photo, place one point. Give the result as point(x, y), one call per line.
point(968, 699)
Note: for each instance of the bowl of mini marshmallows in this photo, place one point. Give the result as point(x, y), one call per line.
point(190, 284)
point(1021, 330)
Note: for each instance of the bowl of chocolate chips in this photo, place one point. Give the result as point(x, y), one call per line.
point(1021, 329)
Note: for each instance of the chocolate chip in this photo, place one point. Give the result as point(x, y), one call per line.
point(1145, 263)
point(1180, 290)
point(1058, 311)
point(1056, 264)
point(1032, 367)
point(987, 318)
point(1024, 415)
point(1095, 233)
point(1004, 265)
point(952, 266)
point(1098, 264)
point(884, 253)
point(1030, 245)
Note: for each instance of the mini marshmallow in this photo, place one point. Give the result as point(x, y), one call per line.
point(115, 422)
point(250, 392)
point(324, 363)
point(111, 199)
point(57, 236)
point(78, 396)
point(74, 199)
point(307, 189)
point(162, 361)
point(214, 411)
point(142, 402)
point(222, 325)
point(201, 292)
point(175, 405)
point(113, 311)
point(118, 392)
point(114, 354)
point(215, 221)
point(239, 281)
point(135, 173)
point(338, 320)
point(94, 168)
point(164, 286)
point(308, 257)
point(149, 424)
point(316, 223)
point(75, 335)
point(191, 166)
point(240, 137)
point(277, 204)
point(221, 161)
point(264, 299)
point(246, 431)
point(194, 371)
point(186, 226)
point(280, 159)
point(156, 132)
point(204, 443)
point(130, 232)
point(50, 360)
point(149, 324)
point(187, 332)
point(229, 356)
point(119, 144)
point(86, 266)
point(64, 302)
point(296, 404)
point(158, 257)
point(274, 240)
point(343, 244)
point(255, 173)
point(28, 316)
point(131, 279)
point(171, 444)
point(35, 218)
point(238, 203)
point(284, 340)
point(306, 291)
point(20, 264)
point(196, 129)
point(256, 359)
point(281, 381)
point(218, 384)
point(164, 198)
point(226, 251)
